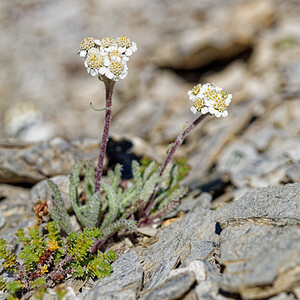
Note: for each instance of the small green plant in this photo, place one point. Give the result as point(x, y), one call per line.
point(155, 189)
point(47, 259)
point(106, 206)
point(121, 207)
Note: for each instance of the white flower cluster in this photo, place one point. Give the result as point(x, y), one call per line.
point(208, 98)
point(107, 57)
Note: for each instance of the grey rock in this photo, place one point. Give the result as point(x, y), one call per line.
point(236, 155)
point(122, 284)
point(201, 250)
point(263, 137)
point(173, 288)
point(291, 75)
point(218, 134)
point(42, 191)
point(260, 261)
point(15, 207)
point(283, 296)
point(270, 205)
point(293, 173)
point(259, 243)
point(208, 290)
point(32, 163)
point(247, 167)
point(2, 220)
point(174, 245)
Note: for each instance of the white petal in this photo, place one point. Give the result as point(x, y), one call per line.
point(133, 46)
point(204, 110)
point(218, 114)
point(106, 62)
point(128, 52)
point(225, 113)
point(82, 53)
point(193, 109)
point(97, 42)
point(109, 74)
point(102, 70)
point(85, 64)
point(94, 72)
point(125, 58)
point(123, 75)
point(122, 49)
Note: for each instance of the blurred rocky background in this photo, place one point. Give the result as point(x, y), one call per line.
point(249, 48)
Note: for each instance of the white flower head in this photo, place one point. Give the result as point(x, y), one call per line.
point(208, 98)
point(125, 45)
point(194, 92)
point(96, 62)
point(87, 44)
point(117, 70)
point(108, 44)
point(107, 57)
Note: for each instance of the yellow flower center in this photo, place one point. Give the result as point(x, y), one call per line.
point(95, 60)
point(87, 43)
point(196, 89)
point(199, 103)
point(115, 53)
point(116, 67)
point(220, 103)
point(123, 41)
point(106, 42)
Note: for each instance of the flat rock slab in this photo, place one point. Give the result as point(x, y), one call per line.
point(190, 238)
point(122, 284)
point(270, 205)
point(260, 242)
point(173, 288)
point(32, 163)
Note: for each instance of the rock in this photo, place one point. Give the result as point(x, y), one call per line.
point(208, 290)
point(247, 167)
point(218, 134)
point(265, 220)
point(173, 288)
point(123, 283)
point(148, 230)
point(174, 246)
point(283, 296)
point(262, 138)
point(15, 208)
point(32, 163)
point(201, 250)
point(2, 220)
point(291, 75)
point(271, 205)
point(42, 191)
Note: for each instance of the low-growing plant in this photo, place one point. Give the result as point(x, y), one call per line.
point(47, 259)
point(106, 206)
point(154, 189)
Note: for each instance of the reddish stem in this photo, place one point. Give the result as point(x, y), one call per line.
point(179, 140)
point(109, 86)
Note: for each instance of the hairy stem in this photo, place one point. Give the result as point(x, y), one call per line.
point(179, 140)
point(109, 86)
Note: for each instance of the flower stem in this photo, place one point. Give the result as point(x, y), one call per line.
point(179, 140)
point(109, 86)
